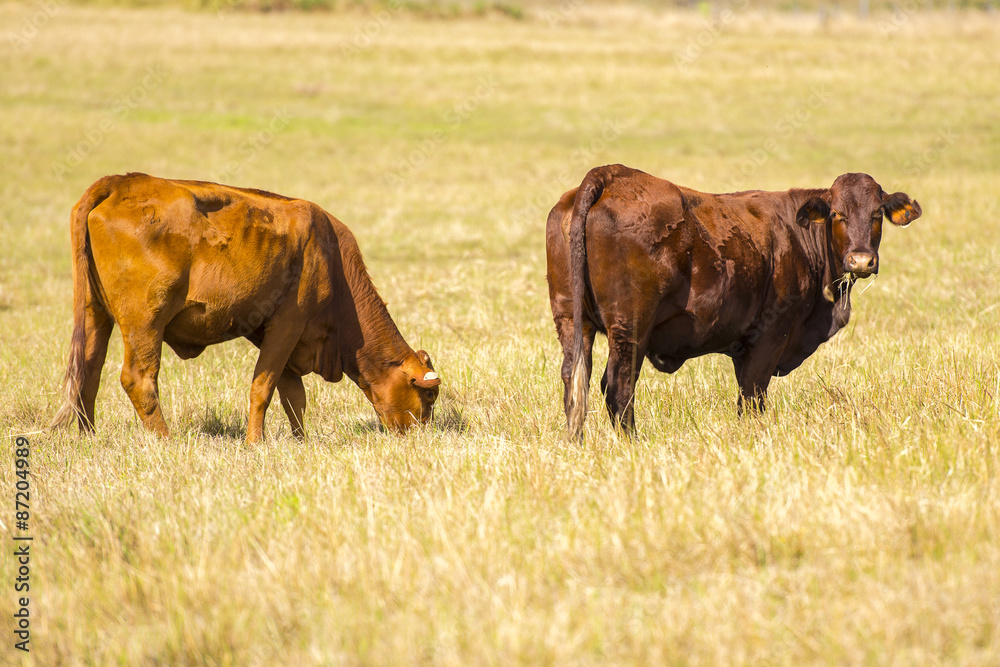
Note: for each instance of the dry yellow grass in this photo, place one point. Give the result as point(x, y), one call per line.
point(856, 522)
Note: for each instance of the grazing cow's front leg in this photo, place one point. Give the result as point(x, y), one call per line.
point(625, 357)
point(283, 332)
point(293, 399)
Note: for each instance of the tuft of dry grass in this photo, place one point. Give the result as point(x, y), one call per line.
point(854, 522)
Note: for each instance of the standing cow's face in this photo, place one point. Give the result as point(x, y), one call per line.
point(405, 395)
point(853, 208)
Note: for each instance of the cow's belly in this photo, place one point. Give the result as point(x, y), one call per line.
point(196, 325)
point(233, 294)
point(684, 337)
point(708, 323)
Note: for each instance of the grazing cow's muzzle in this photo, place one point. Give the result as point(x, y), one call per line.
point(405, 395)
point(399, 422)
point(861, 264)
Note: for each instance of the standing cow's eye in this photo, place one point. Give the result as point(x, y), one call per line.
point(876, 233)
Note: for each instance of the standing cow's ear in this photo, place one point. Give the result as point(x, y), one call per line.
point(813, 211)
point(900, 209)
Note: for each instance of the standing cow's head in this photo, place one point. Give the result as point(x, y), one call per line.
point(853, 209)
point(404, 395)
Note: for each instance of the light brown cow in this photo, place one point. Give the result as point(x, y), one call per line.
point(193, 264)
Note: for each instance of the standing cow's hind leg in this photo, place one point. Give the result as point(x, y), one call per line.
point(625, 357)
point(564, 327)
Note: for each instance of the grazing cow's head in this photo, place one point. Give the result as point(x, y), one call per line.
point(853, 208)
point(405, 394)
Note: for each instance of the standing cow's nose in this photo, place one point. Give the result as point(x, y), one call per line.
point(861, 263)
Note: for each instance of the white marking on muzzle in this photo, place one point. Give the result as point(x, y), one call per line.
point(430, 376)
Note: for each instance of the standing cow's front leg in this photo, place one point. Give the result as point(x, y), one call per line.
point(754, 369)
point(293, 399)
point(625, 357)
point(280, 338)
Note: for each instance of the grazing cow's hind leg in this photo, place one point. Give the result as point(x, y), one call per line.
point(293, 400)
point(99, 326)
point(140, 370)
point(92, 326)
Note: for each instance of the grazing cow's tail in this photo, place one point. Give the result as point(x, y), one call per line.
point(72, 408)
point(589, 192)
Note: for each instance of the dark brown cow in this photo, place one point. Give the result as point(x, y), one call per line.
point(193, 264)
point(669, 274)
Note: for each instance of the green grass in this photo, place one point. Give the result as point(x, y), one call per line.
point(855, 522)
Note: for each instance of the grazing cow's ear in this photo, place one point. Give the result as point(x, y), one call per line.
point(813, 211)
point(900, 209)
point(425, 359)
point(430, 379)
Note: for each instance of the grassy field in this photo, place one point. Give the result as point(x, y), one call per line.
point(857, 522)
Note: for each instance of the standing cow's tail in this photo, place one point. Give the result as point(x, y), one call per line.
point(72, 408)
point(589, 192)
